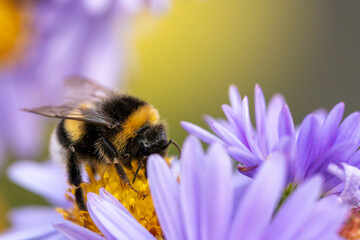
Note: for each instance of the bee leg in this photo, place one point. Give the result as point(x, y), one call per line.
point(92, 165)
point(121, 172)
point(109, 151)
point(74, 178)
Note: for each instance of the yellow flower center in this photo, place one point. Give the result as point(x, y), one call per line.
point(139, 203)
point(14, 16)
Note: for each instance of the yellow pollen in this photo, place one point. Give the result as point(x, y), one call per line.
point(14, 25)
point(351, 229)
point(139, 203)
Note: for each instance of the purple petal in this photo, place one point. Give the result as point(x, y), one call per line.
point(240, 184)
point(192, 161)
point(113, 222)
point(165, 194)
point(227, 136)
point(320, 115)
point(76, 232)
point(244, 157)
point(235, 98)
point(336, 154)
point(275, 105)
point(257, 207)
point(111, 199)
point(324, 221)
point(200, 132)
point(260, 116)
point(32, 223)
point(249, 128)
point(46, 179)
point(355, 160)
point(235, 121)
point(349, 130)
point(216, 194)
point(306, 146)
point(286, 124)
point(295, 210)
point(331, 124)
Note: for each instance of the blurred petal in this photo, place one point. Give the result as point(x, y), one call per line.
point(260, 117)
point(275, 105)
point(192, 161)
point(331, 124)
point(248, 128)
point(299, 204)
point(258, 205)
point(165, 193)
point(286, 124)
point(216, 194)
point(46, 179)
point(306, 146)
point(32, 223)
point(76, 232)
point(349, 130)
point(200, 132)
point(235, 98)
point(113, 222)
point(336, 154)
point(324, 221)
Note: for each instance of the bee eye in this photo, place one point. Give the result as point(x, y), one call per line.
point(126, 156)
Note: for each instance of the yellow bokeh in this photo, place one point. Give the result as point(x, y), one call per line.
point(13, 17)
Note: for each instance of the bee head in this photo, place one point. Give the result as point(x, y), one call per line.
point(149, 139)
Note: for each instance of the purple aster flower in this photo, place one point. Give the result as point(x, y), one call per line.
point(202, 205)
point(68, 37)
point(321, 138)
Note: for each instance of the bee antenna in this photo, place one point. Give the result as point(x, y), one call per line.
point(138, 169)
point(176, 145)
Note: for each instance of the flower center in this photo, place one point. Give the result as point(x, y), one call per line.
point(13, 17)
point(351, 229)
point(139, 203)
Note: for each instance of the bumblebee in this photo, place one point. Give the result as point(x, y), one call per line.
point(101, 126)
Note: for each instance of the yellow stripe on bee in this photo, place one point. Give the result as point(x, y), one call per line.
point(74, 128)
point(144, 115)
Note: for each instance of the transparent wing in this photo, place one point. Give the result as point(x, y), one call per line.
point(68, 111)
point(81, 88)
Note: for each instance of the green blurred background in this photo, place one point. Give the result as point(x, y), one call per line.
point(184, 62)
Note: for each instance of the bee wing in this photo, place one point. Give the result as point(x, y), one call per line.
point(66, 111)
point(81, 88)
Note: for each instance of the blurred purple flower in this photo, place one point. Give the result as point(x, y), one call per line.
point(321, 138)
point(202, 206)
point(34, 222)
point(69, 37)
